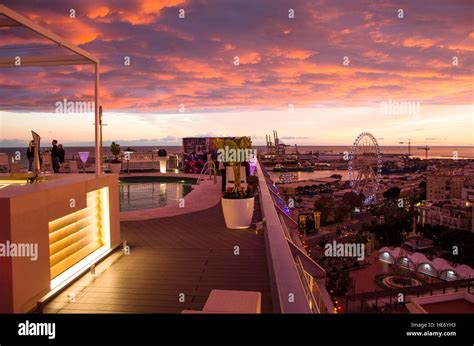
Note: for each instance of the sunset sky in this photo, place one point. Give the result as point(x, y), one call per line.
point(282, 61)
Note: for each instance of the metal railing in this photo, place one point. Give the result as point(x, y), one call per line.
point(210, 170)
point(138, 160)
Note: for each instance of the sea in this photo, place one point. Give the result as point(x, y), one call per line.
point(435, 152)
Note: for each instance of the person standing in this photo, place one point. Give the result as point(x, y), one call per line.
point(62, 153)
point(222, 169)
point(62, 156)
point(55, 156)
point(30, 154)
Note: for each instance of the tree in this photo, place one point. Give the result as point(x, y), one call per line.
point(339, 282)
point(422, 194)
point(322, 242)
point(361, 238)
point(462, 240)
point(341, 211)
point(352, 200)
point(309, 225)
point(392, 193)
point(396, 222)
point(429, 231)
point(324, 204)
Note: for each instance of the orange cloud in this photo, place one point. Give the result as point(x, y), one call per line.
point(98, 12)
point(419, 42)
point(300, 54)
point(250, 58)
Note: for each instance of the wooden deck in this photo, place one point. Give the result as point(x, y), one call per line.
point(188, 254)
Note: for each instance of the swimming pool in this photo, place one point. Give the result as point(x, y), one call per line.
point(138, 193)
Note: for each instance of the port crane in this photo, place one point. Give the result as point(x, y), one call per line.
point(409, 142)
point(426, 149)
point(409, 146)
point(277, 147)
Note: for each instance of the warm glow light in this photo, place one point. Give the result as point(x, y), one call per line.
point(9, 181)
point(6, 183)
point(75, 269)
point(71, 256)
point(105, 216)
point(163, 161)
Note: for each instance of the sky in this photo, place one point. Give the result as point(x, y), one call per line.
point(398, 69)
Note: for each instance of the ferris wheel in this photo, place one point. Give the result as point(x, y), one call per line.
point(365, 167)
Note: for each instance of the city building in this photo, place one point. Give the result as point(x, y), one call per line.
point(447, 303)
point(445, 186)
point(455, 214)
point(467, 193)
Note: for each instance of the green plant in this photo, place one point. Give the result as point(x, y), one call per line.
point(115, 150)
point(235, 160)
point(339, 282)
point(162, 153)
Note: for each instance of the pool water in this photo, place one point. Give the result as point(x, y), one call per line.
point(137, 194)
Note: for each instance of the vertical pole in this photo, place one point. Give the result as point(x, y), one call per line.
point(98, 139)
point(101, 144)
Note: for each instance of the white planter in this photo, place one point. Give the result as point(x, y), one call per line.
point(238, 212)
point(163, 163)
point(115, 168)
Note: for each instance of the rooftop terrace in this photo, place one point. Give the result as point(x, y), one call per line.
point(190, 254)
point(194, 253)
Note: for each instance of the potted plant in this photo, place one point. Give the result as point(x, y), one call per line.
point(163, 158)
point(116, 163)
point(237, 202)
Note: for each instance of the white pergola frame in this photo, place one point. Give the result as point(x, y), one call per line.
point(80, 57)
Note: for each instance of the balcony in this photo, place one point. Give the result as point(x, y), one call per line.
point(175, 262)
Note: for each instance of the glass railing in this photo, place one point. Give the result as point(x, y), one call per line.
point(307, 277)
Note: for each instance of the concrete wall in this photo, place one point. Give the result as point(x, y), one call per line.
point(25, 212)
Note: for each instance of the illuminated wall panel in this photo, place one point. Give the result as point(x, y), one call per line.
point(77, 235)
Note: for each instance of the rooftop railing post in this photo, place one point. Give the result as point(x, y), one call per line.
point(98, 139)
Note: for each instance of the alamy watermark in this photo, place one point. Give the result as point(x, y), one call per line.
point(74, 107)
point(336, 249)
point(393, 107)
point(28, 328)
point(236, 155)
point(9, 249)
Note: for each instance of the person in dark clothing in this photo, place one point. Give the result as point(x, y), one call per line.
point(62, 153)
point(55, 156)
point(222, 169)
point(30, 154)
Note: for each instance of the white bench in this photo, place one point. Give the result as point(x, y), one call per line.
point(231, 302)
